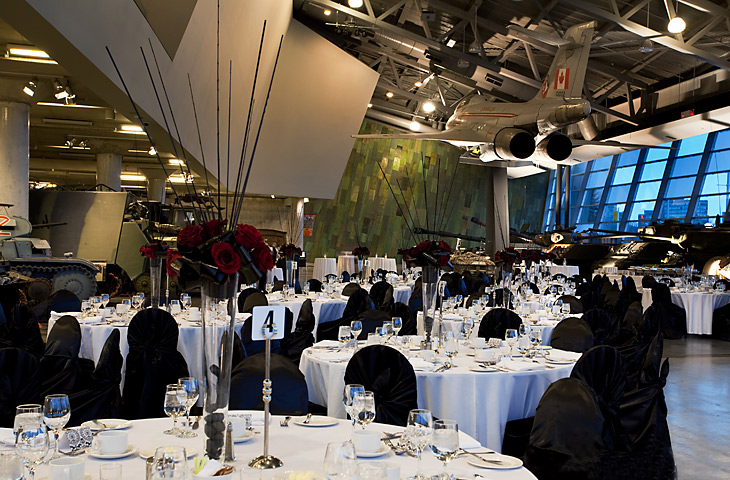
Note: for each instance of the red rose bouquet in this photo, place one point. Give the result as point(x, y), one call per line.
point(290, 250)
point(428, 253)
point(508, 256)
point(154, 249)
point(361, 252)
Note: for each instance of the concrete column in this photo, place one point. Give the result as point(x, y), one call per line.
point(108, 169)
point(14, 156)
point(156, 189)
point(497, 211)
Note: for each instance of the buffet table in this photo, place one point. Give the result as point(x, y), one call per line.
point(699, 307)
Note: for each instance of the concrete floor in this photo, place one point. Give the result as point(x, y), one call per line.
point(698, 401)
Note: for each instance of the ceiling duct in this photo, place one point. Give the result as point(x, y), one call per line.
point(397, 121)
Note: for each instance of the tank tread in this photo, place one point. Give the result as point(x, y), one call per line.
point(50, 271)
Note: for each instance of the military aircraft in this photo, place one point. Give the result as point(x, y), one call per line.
point(527, 130)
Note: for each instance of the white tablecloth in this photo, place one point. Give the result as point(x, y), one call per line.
point(300, 448)
point(699, 307)
point(387, 264)
point(188, 341)
point(401, 293)
point(346, 263)
point(325, 309)
point(324, 266)
point(481, 402)
point(567, 270)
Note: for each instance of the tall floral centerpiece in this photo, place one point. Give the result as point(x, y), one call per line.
point(506, 259)
point(155, 251)
point(431, 256)
point(214, 257)
point(360, 253)
point(292, 253)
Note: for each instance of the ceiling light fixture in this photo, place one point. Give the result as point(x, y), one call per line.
point(370, 105)
point(29, 88)
point(354, 3)
point(273, 196)
point(59, 91)
point(389, 94)
point(176, 161)
point(132, 177)
point(451, 43)
point(418, 84)
point(27, 51)
point(414, 126)
point(305, 200)
point(676, 25)
point(327, 12)
point(429, 107)
point(152, 150)
point(647, 46)
point(474, 47)
point(131, 129)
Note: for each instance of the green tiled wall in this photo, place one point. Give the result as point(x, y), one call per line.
point(526, 197)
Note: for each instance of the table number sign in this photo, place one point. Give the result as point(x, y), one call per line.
point(268, 322)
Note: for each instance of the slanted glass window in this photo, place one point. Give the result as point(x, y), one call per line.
point(692, 145)
point(623, 175)
point(680, 187)
point(588, 214)
point(618, 194)
point(686, 166)
point(628, 158)
point(647, 190)
point(674, 208)
point(601, 164)
point(612, 213)
point(576, 181)
point(641, 211)
point(582, 227)
point(658, 153)
point(716, 183)
point(653, 171)
point(634, 226)
point(722, 140)
point(718, 162)
point(592, 197)
point(711, 205)
point(578, 168)
point(597, 179)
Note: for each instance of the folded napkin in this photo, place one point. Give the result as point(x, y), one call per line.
point(421, 365)
point(562, 355)
point(517, 366)
point(210, 468)
point(91, 320)
point(57, 315)
point(327, 344)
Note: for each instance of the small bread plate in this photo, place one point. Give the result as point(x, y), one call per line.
point(247, 435)
point(315, 421)
point(131, 449)
point(150, 452)
point(379, 452)
point(494, 461)
point(107, 424)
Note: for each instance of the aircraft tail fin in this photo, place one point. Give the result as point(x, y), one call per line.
point(568, 70)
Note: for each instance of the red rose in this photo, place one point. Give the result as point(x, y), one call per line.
point(248, 237)
point(213, 228)
point(146, 251)
point(172, 255)
point(225, 258)
point(443, 260)
point(190, 236)
point(444, 246)
point(262, 258)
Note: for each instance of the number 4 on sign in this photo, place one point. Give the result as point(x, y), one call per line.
point(268, 322)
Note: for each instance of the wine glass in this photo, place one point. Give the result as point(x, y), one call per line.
point(364, 407)
point(104, 300)
point(56, 414)
point(418, 433)
point(510, 336)
point(466, 327)
point(356, 328)
point(27, 414)
point(31, 445)
point(565, 308)
point(136, 301)
point(344, 335)
point(173, 408)
point(185, 301)
point(175, 308)
point(187, 394)
point(445, 442)
point(535, 340)
point(170, 463)
point(85, 308)
point(305, 288)
point(269, 287)
point(348, 399)
point(397, 323)
point(451, 347)
point(340, 462)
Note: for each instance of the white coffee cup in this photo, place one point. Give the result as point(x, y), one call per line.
point(111, 442)
point(480, 342)
point(485, 354)
point(239, 424)
point(66, 468)
point(366, 441)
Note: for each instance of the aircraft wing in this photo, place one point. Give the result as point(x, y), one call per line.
point(611, 143)
point(452, 135)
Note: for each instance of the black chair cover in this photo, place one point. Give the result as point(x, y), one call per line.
point(358, 303)
point(255, 299)
point(103, 398)
point(498, 297)
point(382, 295)
point(314, 285)
point(153, 362)
point(721, 323)
point(59, 364)
point(302, 338)
point(239, 351)
point(345, 276)
point(575, 305)
point(244, 295)
point(350, 288)
point(330, 276)
point(20, 382)
point(673, 318)
point(252, 347)
point(21, 330)
point(409, 323)
point(390, 376)
point(415, 304)
point(371, 320)
point(496, 322)
point(647, 281)
point(602, 325)
point(572, 334)
point(289, 395)
point(569, 436)
point(627, 296)
point(278, 285)
point(667, 281)
point(63, 301)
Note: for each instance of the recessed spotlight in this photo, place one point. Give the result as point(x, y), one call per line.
point(305, 200)
point(676, 25)
point(451, 43)
point(60, 91)
point(370, 105)
point(389, 94)
point(429, 107)
point(327, 12)
point(132, 177)
point(152, 150)
point(29, 88)
point(273, 196)
point(418, 83)
point(354, 3)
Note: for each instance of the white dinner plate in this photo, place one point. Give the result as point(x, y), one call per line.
point(109, 424)
point(150, 452)
point(482, 369)
point(379, 452)
point(247, 435)
point(559, 362)
point(494, 461)
point(315, 421)
point(131, 449)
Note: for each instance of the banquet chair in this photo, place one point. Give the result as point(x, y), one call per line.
point(330, 277)
point(357, 303)
point(21, 330)
point(20, 382)
point(102, 399)
point(575, 305)
point(59, 366)
point(344, 276)
point(289, 395)
point(350, 288)
point(666, 281)
point(302, 338)
point(495, 323)
point(673, 317)
point(239, 351)
point(314, 285)
point(390, 376)
point(256, 299)
point(382, 295)
point(560, 277)
point(415, 304)
point(279, 285)
point(603, 325)
point(721, 323)
point(61, 301)
point(470, 299)
point(627, 296)
point(629, 326)
point(252, 347)
point(496, 299)
point(371, 321)
point(244, 295)
point(152, 363)
point(569, 438)
point(401, 310)
point(648, 281)
point(572, 334)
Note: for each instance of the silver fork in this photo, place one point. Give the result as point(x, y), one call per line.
point(285, 421)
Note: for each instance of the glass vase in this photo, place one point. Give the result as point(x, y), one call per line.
point(218, 312)
point(291, 271)
point(155, 281)
point(429, 287)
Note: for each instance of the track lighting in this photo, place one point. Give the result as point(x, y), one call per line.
point(30, 87)
point(414, 126)
point(59, 91)
point(152, 150)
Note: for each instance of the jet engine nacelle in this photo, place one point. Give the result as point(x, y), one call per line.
point(554, 147)
point(511, 144)
point(564, 115)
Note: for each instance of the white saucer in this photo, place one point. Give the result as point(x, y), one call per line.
point(315, 421)
point(110, 424)
point(131, 449)
point(378, 453)
point(248, 435)
point(505, 461)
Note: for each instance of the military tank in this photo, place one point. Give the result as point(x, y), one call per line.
point(31, 257)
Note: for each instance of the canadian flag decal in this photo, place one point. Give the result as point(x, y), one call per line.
point(561, 78)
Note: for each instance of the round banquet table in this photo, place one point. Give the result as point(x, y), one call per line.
point(346, 263)
point(300, 448)
point(384, 263)
point(401, 292)
point(699, 307)
point(325, 309)
point(324, 266)
point(94, 335)
point(481, 402)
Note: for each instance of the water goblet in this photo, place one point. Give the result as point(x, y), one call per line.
point(27, 414)
point(348, 399)
point(31, 445)
point(419, 430)
point(344, 335)
point(173, 408)
point(85, 308)
point(56, 414)
point(185, 301)
point(306, 288)
point(364, 408)
point(445, 443)
point(356, 328)
point(340, 461)
point(188, 393)
point(170, 463)
point(565, 308)
point(510, 336)
point(269, 287)
point(104, 299)
point(451, 347)
point(467, 326)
